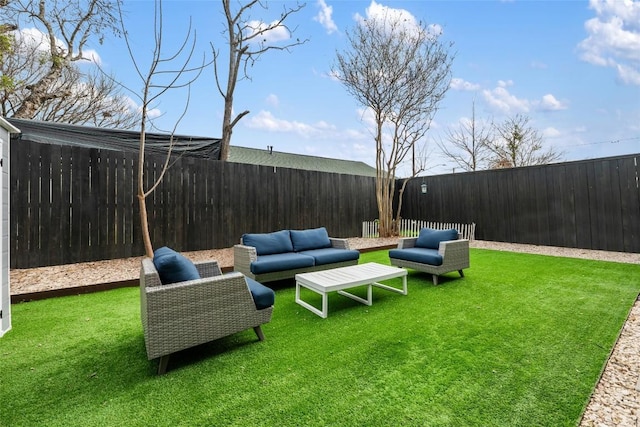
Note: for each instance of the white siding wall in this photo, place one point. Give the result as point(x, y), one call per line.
point(5, 296)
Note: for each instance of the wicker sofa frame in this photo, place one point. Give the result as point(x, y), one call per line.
point(181, 315)
point(244, 255)
point(455, 257)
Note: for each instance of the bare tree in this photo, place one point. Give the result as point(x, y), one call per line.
point(400, 71)
point(89, 98)
point(95, 100)
point(68, 26)
point(518, 144)
point(247, 40)
point(160, 78)
point(468, 145)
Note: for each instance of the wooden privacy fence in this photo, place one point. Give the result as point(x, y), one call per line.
point(411, 228)
point(73, 204)
point(589, 204)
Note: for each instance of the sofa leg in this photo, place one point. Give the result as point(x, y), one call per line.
point(162, 364)
point(258, 331)
point(435, 279)
point(461, 273)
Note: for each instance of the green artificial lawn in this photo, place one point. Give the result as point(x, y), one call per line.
point(521, 340)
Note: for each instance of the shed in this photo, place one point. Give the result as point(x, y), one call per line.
point(6, 129)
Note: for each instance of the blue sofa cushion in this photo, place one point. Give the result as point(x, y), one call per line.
point(173, 267)
point(331, 255)
point(280, 262)
point(431, 239)
point(263, 296)
point(277, 242)
point(304, 240)
point(420, 255)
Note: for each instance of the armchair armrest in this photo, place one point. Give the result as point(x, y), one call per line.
point(243, 256)
point(339, 243)
point(455, 252)
point(407, 242)
point(202, 294)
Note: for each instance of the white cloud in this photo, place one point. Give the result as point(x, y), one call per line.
point(319, 131)
point(324, 17)
point(276, 34)
point(265, 120)
point(501, 100)
point(550, 103)
point(551, 132)
point(272, 100)
point(614, 38)
point(386, 14)
point(34, 40)
point(460, 84)
point(628, 74)
point(153, 113)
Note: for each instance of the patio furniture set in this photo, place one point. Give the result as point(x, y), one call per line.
point(184, 304)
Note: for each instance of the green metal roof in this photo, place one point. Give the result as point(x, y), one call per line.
point(266, 157)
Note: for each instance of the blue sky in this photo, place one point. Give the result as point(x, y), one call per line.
point(572, 66)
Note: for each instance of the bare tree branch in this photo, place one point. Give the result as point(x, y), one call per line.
point(180, 77)
point(78, 98)
point(400, 73)
point(68, 26)
point(242, 33)
point(468, 145)
point(517, 143)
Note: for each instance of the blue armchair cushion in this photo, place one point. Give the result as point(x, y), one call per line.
point(263, 296)
point(280, 262)
point(173, 267)
point(431, 239)
point(419, 255)
point(331, 255)
point(304, 240)
point(269, 243)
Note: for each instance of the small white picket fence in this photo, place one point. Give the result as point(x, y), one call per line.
point(411, 228)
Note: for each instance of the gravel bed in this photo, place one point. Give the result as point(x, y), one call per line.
point(616, 398)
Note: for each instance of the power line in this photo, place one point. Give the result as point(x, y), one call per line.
point(612, 141)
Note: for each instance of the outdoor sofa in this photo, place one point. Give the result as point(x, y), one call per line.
point(282, 254)
point(183, 304)
point(434, 251)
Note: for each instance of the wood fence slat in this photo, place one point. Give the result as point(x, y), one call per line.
point(71, 204)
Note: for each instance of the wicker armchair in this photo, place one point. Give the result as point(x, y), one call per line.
point(454, 253)
point(181, 315)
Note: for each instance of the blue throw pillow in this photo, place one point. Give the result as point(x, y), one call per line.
point(431, 239)
point(173, 267)
point(263, 296)
point(304, 240)
point(269, 243)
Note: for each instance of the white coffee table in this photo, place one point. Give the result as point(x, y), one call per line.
point(339, 279)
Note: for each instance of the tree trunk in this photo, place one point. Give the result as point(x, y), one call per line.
point(144, 222)
point(39, 92)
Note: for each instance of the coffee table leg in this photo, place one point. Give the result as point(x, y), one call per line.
point(325, 303)
point(402, 291)
point(368, 301)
